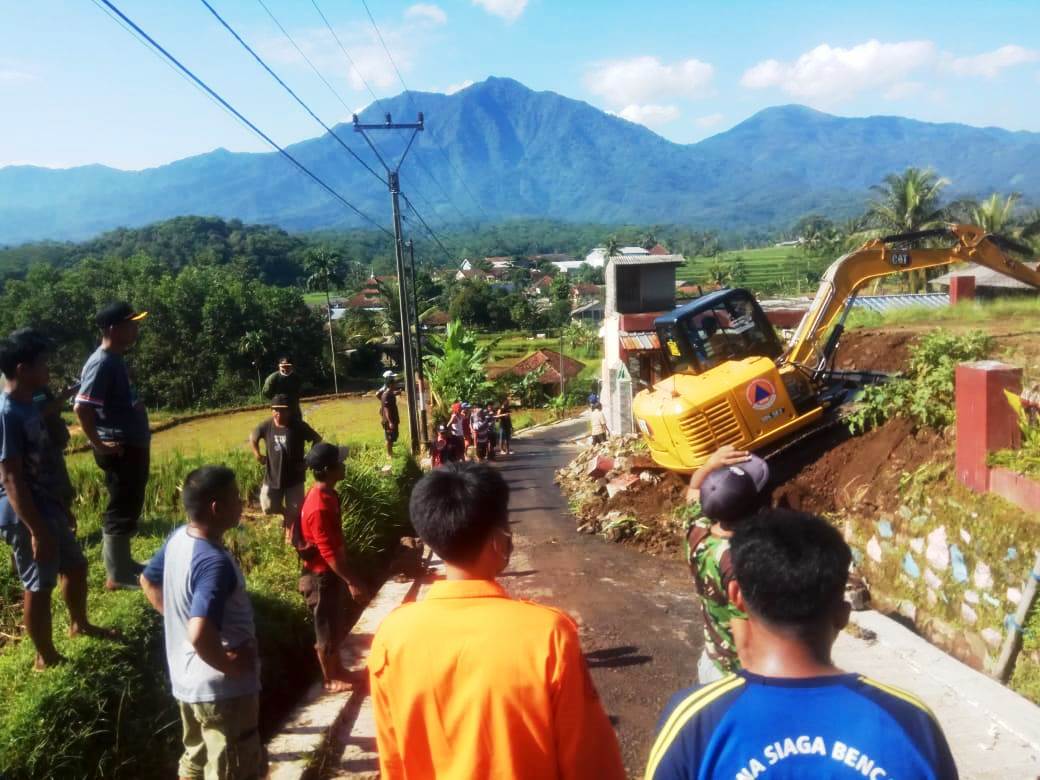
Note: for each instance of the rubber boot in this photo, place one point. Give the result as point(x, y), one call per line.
point(118, 563)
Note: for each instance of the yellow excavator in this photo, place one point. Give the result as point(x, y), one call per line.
point(733, 381)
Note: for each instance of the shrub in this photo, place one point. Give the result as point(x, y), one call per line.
point(926, 394)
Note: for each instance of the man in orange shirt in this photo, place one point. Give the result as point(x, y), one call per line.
point(469, 683)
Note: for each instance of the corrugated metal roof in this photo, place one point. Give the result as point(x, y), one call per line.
point(882, 303)
point(985, 277)
point(639, 341)
point(648, 259)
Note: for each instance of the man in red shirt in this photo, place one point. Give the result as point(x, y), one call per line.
point(326, 577)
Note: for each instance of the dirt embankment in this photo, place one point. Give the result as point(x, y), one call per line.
point(875, 350)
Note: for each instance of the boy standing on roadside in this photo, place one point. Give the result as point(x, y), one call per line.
point(285, 436)
point(723, 492)
point(33, 516)
point(195, 584)
point(470, 683)
point(326, 577)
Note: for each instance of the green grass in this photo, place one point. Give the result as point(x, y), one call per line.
point(1017, 312)
point(353, 421)
point(766, 268)
point(108, 712)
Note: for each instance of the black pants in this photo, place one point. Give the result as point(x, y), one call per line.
point(126, 477)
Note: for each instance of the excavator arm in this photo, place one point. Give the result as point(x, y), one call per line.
point(891, 254)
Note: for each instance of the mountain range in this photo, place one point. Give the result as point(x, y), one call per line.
point(499, 150)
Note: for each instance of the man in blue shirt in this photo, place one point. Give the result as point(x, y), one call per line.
point(115, 423)
point(34, 518)
point(790, 713)
point(210, 636)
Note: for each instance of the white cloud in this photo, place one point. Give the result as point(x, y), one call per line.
point(451, 89)
point(829, 73)
point(510, 10)
point(708, 121)
point(370, 62)
point(12, 76)
point(426, 12)
point(991, 63)
point(640, 80)
point(649, 115)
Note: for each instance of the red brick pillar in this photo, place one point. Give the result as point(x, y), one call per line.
point(962, 288)
point(985, 420)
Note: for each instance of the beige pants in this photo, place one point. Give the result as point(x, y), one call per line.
point(288, 502)
point(221, 739)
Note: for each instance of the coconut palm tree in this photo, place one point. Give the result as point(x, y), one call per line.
point(905, 203)
point(994, 214)
point(326, 271)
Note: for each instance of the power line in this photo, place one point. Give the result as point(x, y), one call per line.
point(379, 102)
point(429, 230)
point(212, 93)
point(408, 96)
point(288, 89)
point(306, 59)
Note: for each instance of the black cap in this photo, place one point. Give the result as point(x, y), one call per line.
point(730, 493)
point(323, 455)
point(115, 313)
point(281, 401)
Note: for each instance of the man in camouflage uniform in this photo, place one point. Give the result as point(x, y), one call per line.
point(724, 491)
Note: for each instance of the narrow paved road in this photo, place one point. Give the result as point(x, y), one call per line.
point(639, 624)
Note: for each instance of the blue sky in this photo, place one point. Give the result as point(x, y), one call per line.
point(75, 88)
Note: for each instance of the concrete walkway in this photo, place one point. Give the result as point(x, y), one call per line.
point(994, 733)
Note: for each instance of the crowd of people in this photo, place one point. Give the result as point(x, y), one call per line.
point(478, 432)
point(467, 683)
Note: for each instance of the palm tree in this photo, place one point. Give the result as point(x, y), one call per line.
point(907, 202)
point(612, 249)
point(649, 240)
point(253, 344)
point(994, 214)
point(325, 271)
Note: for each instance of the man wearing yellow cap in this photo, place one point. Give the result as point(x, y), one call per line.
point(115, 423)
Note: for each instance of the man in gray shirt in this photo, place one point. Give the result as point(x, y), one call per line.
point(115, 423)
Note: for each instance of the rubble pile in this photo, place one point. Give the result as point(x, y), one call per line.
point(615, 489)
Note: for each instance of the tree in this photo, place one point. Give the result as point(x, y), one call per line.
point(456, 364)
point(612, 249)
point(649, 240)
point(325, 270)
point(905, 203)
point(994, 214)
point(254, 345)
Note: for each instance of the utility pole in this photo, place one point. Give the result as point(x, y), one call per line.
point(423, 425)
point(395, 190)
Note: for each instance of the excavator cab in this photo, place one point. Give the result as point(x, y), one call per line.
point(723, 325)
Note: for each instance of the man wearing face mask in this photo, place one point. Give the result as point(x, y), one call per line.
point(469, 682)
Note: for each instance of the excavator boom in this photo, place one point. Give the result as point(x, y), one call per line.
point(892, 254)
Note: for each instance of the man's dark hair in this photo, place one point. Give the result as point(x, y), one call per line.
point(24, 345)
point(285, 359)
point(455, 508)
point(203, 486)
point(791, 567)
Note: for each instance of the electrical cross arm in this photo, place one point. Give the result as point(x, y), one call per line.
point(894, 254)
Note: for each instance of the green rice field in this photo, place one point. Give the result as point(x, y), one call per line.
point(771, 268)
